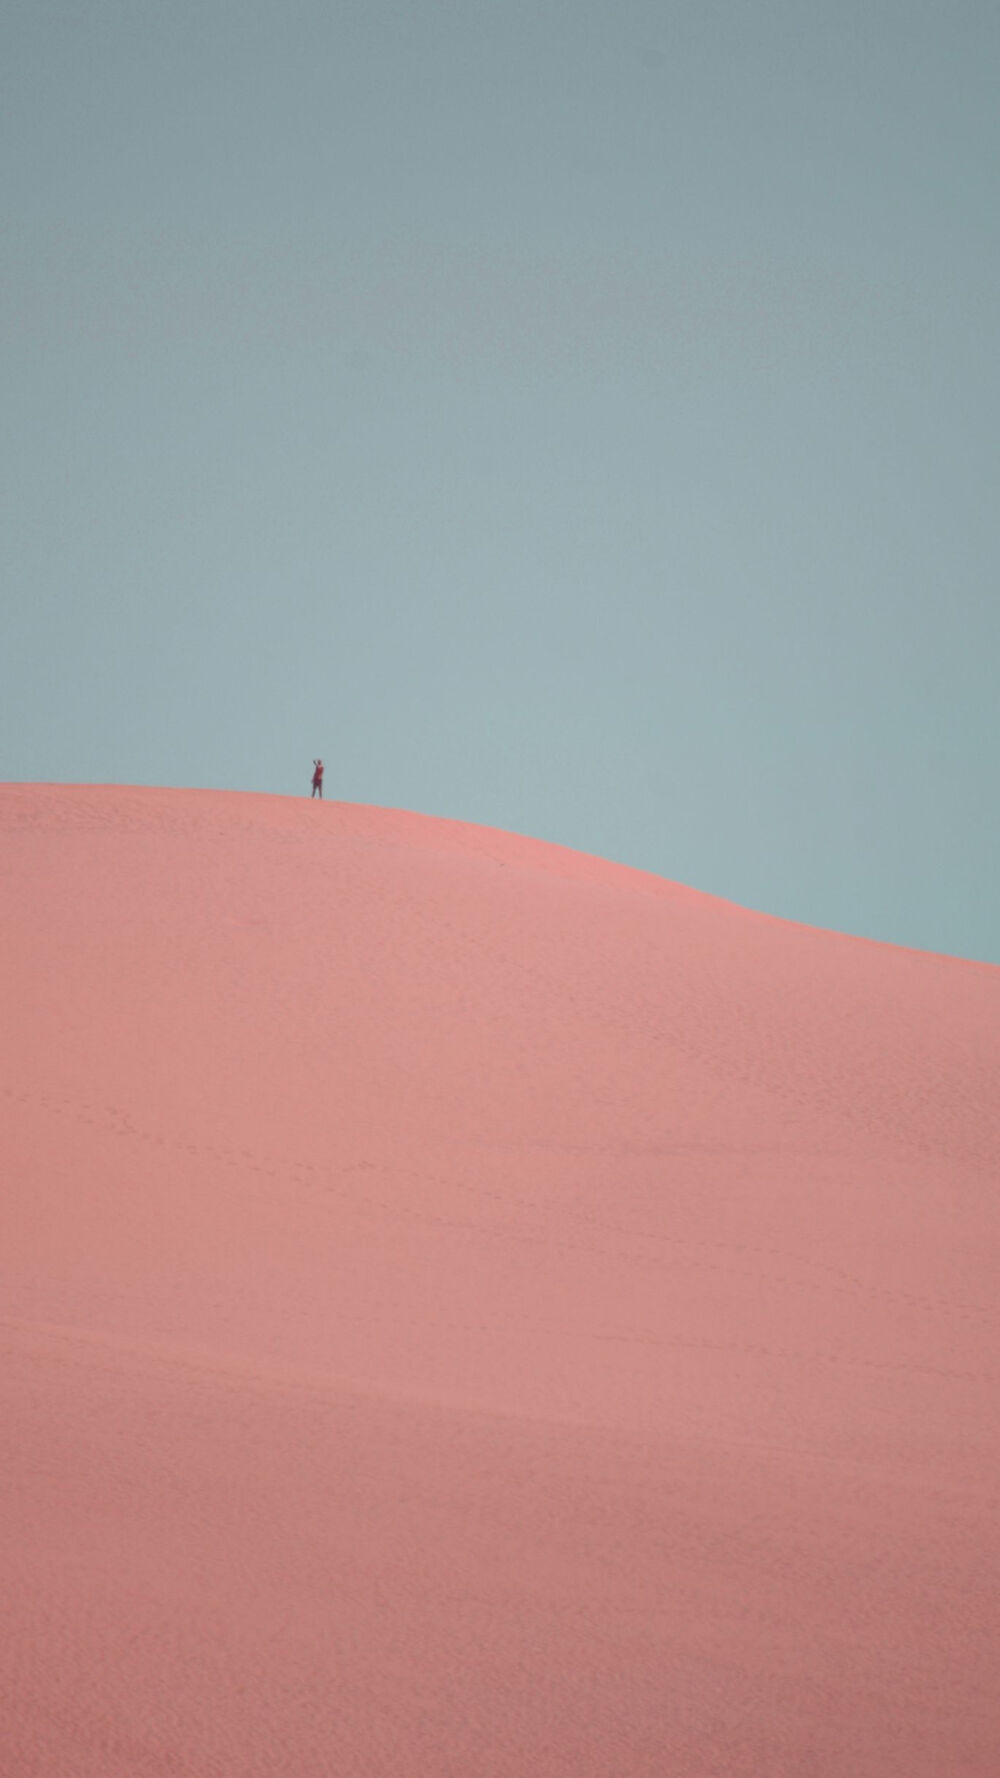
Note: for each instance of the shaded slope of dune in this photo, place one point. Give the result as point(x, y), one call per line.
point(473, 1308)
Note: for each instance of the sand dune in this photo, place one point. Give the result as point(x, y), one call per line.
point(471, 1309)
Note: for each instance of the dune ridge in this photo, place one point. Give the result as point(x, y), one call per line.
point(470, 1307)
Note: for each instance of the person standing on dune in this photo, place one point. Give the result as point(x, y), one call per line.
point(317, 779)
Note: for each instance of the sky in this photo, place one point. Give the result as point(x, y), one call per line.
point(577, 416)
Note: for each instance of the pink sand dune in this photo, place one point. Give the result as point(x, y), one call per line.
point(474, 1311)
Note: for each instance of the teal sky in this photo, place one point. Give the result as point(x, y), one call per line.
point(576, 417)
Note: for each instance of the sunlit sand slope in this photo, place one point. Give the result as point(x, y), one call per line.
point(471, 1309)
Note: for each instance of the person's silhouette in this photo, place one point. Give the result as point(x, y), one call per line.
point(317, 781)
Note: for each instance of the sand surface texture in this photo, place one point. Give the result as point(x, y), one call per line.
point(470, 1309)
